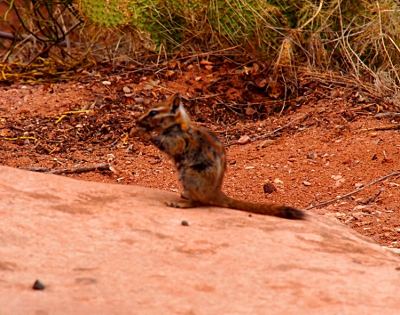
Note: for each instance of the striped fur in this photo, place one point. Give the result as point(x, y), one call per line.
point(199, 158)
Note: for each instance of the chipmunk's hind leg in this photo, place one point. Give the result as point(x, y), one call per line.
point(185, 203)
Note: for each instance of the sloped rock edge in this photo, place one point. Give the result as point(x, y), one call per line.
point(113, 249)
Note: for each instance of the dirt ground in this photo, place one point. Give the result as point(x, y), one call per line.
point(325, 143)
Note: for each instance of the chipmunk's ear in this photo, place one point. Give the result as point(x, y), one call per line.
point(176, 101)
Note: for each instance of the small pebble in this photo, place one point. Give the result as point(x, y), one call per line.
point(244, 140)
point(38, 285)
point(269, 188)
point(139, 100)
point(185, 223)
point(266, 143)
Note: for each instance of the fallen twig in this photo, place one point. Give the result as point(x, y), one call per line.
point(387, 115)
point(21, 138)
point(372, 199)
point(378, 107)
point(273, 131)
point(77, 169)
point(354, 191)
point(280, 128)
point(386, 127)
point(72, 112)
point(33, 38)
point(321, 2)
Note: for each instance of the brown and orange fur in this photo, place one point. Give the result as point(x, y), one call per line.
point(199, 157)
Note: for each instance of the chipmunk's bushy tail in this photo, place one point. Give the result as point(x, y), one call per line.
point(259, 208)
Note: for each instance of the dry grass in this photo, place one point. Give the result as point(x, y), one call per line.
point(356, 39)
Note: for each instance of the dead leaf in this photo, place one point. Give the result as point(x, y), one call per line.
point(244, 70)
point(260, 82)
point(173, 64)
point(206, 62)
point(275, 89)
point(255, 68)
point(5, 133)
point(266, 143)
point(250, 111)
point(169, 74)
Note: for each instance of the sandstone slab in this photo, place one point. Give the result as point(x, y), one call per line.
point(114, 249)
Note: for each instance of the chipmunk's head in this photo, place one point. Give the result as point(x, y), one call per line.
point(164, 115)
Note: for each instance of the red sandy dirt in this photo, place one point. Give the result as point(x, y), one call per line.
point(321, 146)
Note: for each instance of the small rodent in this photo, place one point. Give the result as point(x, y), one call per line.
point(199, 158)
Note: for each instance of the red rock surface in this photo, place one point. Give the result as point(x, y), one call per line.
point(111, 249)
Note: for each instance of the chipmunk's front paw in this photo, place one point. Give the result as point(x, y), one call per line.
point(140, 132)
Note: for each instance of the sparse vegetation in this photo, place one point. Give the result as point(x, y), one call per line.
point(327, 39)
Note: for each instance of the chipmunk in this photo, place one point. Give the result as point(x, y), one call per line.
point(199, 158)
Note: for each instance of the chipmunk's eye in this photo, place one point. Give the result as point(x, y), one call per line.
point(152, 113)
